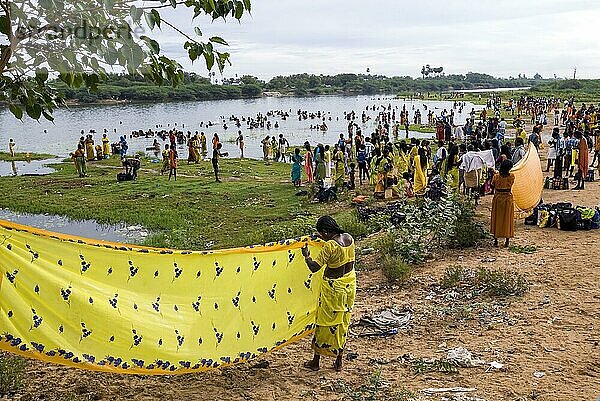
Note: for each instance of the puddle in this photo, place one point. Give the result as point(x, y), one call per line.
point(33, 167)
point(81, 228)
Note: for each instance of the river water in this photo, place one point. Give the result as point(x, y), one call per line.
point(61, 136)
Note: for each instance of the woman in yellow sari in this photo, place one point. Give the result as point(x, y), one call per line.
point(106, 146)
point(401, 159)
point(89, 148)
point(420, 181)
point(338, 291)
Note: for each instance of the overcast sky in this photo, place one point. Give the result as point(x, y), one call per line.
point(397, 37)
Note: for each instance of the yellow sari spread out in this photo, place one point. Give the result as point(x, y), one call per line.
point(529, 182)
point(129, 309)
point(336, 300)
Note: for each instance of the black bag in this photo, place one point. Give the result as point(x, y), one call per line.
point(557, 183)
point(590, 176)
point(563, 205)
point(532, 219)
point(567, 220)
point(326, 195)
point(565, 183)
point(124, 177)
point(547, 183)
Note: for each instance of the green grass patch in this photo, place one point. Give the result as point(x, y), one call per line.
point(5, 156)
point(256, 203)
point(527, 249)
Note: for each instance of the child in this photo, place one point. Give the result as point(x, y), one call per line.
point(408, 188)
point(351, 184)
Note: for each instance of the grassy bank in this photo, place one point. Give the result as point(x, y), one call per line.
point(6, 157)
point(256, 203)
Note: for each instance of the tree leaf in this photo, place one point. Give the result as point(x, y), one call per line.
point(210, 59)
point(153, 44)
point(157, 19)
point(247, 5)
point(16, 110)
point(219, 40)
point(198, 31)
point(41, 74)
point(34, 111)
point(150, 20)
point(173, 3)
point(4, 24)
point(239, 10)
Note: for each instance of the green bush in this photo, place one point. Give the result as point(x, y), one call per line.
point(395, 269)
point(467, 230)
point(502, 283)
point(353, 225)
point(12, 371)
point(453, 276)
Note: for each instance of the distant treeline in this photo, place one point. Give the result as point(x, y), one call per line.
point(131, 88)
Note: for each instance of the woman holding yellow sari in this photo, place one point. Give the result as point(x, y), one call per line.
point(337, 293)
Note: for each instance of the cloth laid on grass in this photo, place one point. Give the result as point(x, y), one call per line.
point(129, 309)
point(529, 183)
point(385, 322)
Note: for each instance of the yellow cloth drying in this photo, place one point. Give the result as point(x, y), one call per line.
point(130, 309)
point(529, 182)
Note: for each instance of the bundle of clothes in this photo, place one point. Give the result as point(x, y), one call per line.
point(565, 217)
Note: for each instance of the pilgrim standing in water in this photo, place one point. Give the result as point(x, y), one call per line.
point(503, 205)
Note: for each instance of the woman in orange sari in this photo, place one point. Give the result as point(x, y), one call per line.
point(583, 162)
point(308, 163)
point(503, 204)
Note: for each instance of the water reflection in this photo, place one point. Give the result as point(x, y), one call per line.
point(32, 167)
point(81, 228)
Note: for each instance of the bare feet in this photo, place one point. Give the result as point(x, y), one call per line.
point(312, 365)
point(337, 365)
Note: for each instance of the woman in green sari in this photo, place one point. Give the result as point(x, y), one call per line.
point(320, 163)
point(337, 292)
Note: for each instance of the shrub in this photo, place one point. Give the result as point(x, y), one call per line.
point(395, 269)
point(453, 276)
point(12, 371)
point(502, 283)
point(467, 231)
point(353, 225)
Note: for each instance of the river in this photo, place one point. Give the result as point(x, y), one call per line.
point(61, 136)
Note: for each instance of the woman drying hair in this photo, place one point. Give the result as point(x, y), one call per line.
point(337, 292)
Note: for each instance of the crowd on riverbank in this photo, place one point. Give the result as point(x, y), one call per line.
point(462, 157)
